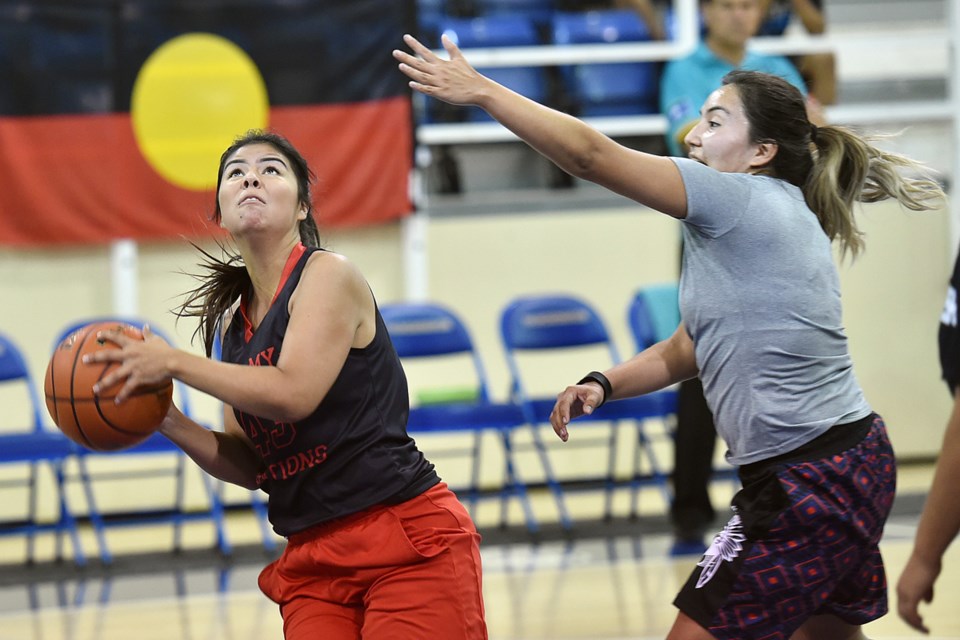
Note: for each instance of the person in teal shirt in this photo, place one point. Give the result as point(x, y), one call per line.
point(688, 81)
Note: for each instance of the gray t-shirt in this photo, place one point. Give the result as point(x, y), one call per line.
point(760, 296)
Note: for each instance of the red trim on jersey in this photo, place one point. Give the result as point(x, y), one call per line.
point(292, 261)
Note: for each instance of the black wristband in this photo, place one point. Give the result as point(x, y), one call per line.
point(599, 378)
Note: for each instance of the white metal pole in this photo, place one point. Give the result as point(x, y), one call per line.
point(414, 230)
point(688, 23)
point(953, 80)
point(123, 271)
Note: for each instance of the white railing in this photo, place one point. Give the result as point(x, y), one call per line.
point(934, 52)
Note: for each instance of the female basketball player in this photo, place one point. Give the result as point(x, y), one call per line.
point(315, 415)
point(761, 197)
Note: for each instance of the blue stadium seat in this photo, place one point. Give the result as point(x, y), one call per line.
point(430, 15)
point(602, 89)
point(504, 30)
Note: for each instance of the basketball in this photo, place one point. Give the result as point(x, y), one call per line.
point(96, 421)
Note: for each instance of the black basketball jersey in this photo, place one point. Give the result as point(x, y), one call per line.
point(949, 334)
point(353, 452)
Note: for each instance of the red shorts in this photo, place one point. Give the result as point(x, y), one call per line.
point(410, 570)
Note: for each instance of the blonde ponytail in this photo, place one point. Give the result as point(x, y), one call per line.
point(848, 169)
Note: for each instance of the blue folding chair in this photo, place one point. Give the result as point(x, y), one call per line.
point(428, 332)
point(178, 514)
point(605, 89)
point(557, 323)
point(500, 30)
point(31, 444)
point(653, 316)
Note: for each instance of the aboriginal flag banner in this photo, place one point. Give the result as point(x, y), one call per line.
point(113, 114)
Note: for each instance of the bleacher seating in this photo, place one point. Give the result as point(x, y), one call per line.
point(610, 88)
point(500, 30)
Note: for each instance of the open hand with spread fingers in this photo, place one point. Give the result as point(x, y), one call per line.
point(453, 80)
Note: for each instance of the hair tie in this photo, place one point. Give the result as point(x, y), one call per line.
point(813, 133)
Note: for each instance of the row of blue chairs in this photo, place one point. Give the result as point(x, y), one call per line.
point(596, 89)
point(556, 324)
point(419, 331)
point(35, 446)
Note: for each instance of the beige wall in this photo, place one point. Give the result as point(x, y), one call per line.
point(893, 294)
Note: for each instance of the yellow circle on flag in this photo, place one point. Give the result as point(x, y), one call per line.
point(192, 97)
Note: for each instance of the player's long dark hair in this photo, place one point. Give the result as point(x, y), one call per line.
point(833, 166)
point(224, 279)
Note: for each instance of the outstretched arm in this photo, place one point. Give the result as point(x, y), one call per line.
point(571, 144)
point(665, 363)
point(939, 525)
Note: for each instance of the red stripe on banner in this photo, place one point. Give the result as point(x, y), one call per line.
point(362, 154)
point(82, 179)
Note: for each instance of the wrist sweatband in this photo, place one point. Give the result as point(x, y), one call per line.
point(599, 378)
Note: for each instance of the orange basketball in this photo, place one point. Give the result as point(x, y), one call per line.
point(96, 421)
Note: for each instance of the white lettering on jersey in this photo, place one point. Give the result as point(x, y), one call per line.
point(949, 316)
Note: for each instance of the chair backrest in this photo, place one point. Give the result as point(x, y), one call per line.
point(654, 314)
point(607, 88)
point(549, 323)
point(14, 368)
point(493, 31)
point(499, 30)
point(421, 330)
point(614, 25)
point(430, 13)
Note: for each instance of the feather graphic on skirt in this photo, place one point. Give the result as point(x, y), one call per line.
point(725, 547)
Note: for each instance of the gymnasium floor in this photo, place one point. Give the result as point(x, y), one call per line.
point(610, 580)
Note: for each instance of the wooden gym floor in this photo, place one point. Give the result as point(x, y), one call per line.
point(609, 580)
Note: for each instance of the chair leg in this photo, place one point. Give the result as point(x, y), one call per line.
point(610, 481)
point(66, 519)
point(179, 498)
point(93, 512)
point(551, 479)
point(260, 511)
point(217, 513)
point(656, 473)
point(473, 492)
point(515, 486)
point(32, 514)
point(635, 479)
